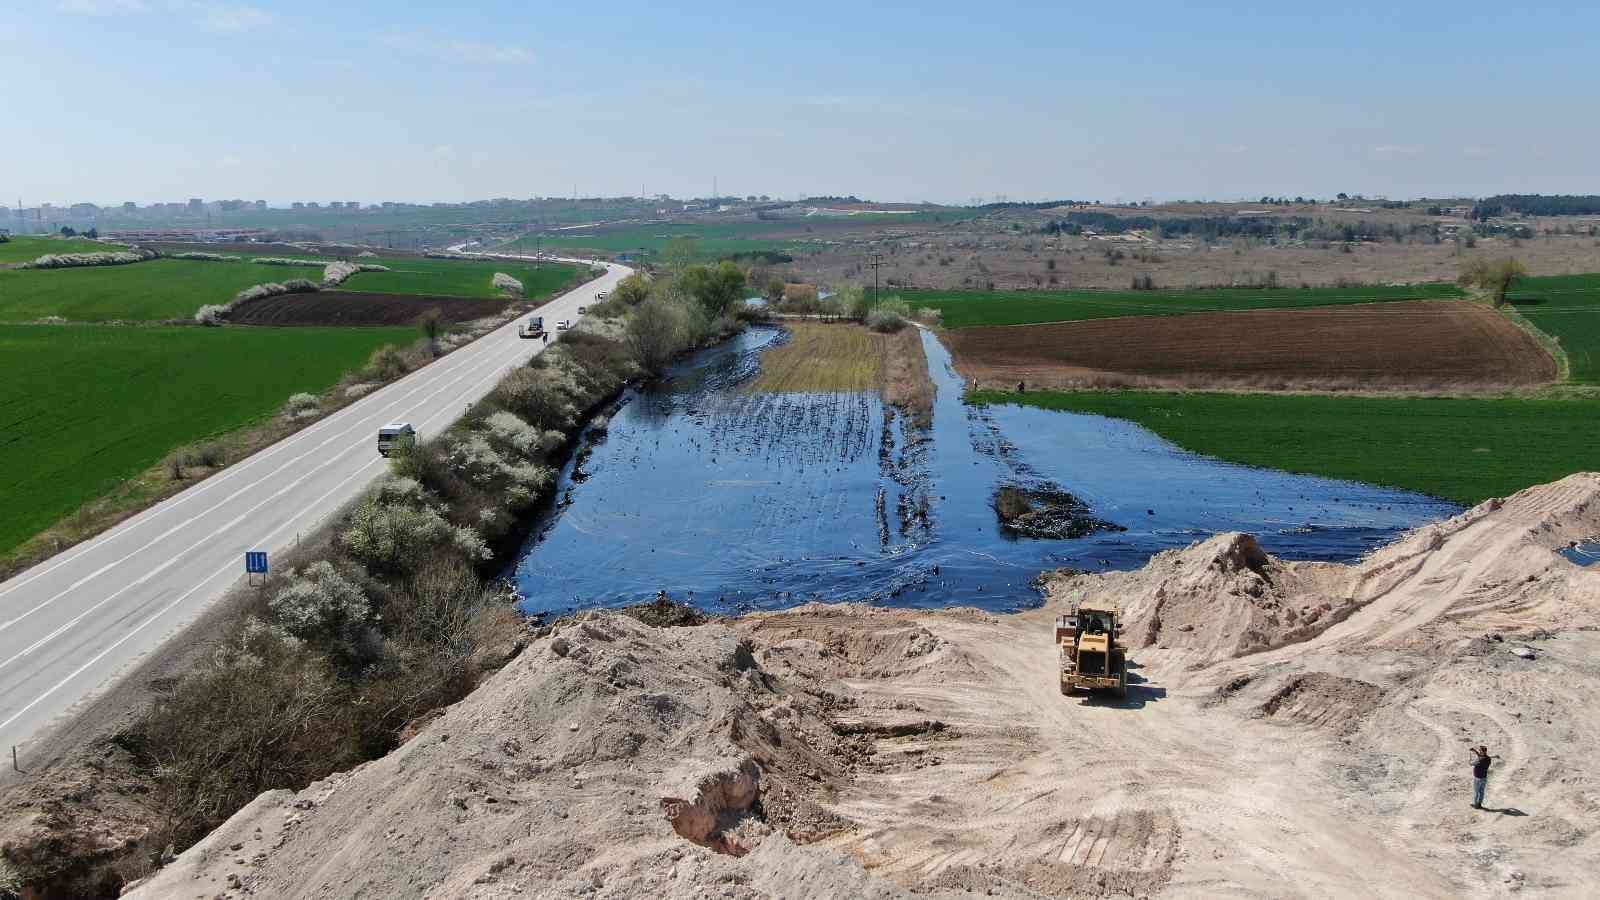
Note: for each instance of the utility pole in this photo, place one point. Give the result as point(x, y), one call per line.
point(877, 263)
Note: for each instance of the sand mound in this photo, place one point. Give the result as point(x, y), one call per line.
point(1218, 598)
point(1489, 568)
point(611, 759)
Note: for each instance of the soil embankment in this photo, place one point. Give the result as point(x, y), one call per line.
point(1420, 345)
point(1290, 729)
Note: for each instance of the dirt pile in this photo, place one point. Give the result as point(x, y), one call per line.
point(1216, 599)
point(1289, 729)
point(611, 759)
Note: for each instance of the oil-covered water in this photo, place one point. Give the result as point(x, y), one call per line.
point(736, 500)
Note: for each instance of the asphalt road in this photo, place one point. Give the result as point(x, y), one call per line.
point(74, 624)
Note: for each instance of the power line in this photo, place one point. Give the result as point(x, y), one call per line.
point(876, 263)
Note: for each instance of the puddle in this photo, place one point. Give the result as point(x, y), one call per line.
point(756, 501)
point(1586, 553)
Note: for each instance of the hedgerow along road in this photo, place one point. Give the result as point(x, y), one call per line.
point(71, 626)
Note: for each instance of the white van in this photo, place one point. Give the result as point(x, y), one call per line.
point(395, 435)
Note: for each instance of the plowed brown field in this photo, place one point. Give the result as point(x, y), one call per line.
point(359, 308)
point(1423, 345)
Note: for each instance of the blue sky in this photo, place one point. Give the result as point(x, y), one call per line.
point(111, 100)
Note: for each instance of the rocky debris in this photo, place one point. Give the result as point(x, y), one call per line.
point(1046, 512)
point(662, 612)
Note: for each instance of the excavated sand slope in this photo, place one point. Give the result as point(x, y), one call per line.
point(1291, 729)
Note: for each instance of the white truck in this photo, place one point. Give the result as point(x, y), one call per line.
point(395, 436)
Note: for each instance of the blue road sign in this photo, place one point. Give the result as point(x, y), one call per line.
point(255, 562)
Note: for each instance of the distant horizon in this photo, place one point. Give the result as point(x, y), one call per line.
point(744, 198)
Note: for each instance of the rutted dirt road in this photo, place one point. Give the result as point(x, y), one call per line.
point(1295, 729)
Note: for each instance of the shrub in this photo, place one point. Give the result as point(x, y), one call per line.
point(302, 406)
point(931, 317)
point(262, 711)
point(508, 430)
point(631, 291)
point(386, 363)
point(75, 260)
point(285, 261)
point(324, 608)
point(852, 302)
point(885, 321)
point(889, 316)
point(392, 537)
point(800, 294)
point(207, 257)
point(507, 285)
point(537, 395)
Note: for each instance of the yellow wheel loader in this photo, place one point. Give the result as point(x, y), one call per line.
point(1092, 659)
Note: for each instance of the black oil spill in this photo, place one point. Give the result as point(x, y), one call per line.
point(738, 501)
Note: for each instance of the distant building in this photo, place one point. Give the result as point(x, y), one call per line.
point(130, 206)
point(337, 204)
point(313, 205)
point(196, 203)
point(297, 205)
point(352, 204)
point(261, 204)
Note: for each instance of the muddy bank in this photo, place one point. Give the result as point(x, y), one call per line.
point(851, 750)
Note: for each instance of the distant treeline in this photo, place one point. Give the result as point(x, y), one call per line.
point(1537, 205)
point(1042, 204)
point(1218, 227)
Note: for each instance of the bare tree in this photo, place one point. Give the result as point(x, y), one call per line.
point(1493, 276)
point(432, 323)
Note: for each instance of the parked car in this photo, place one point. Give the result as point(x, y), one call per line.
point(602, 295)
point(582, 310)
point(395, 436)
point(563, 325)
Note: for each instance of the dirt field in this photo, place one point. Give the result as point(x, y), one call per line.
point(844, 356)
point(1420, 345)
point(359, 308)
point(820, 356)
point(1291, 729)
point(1005, 251)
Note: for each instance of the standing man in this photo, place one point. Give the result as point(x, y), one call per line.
point(1480, 774)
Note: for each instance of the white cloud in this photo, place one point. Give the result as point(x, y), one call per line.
point(102, 7)
point(230, 162)
point(445, 151)
point(1477, 152)
point(431, 43)
point(1233, 149)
